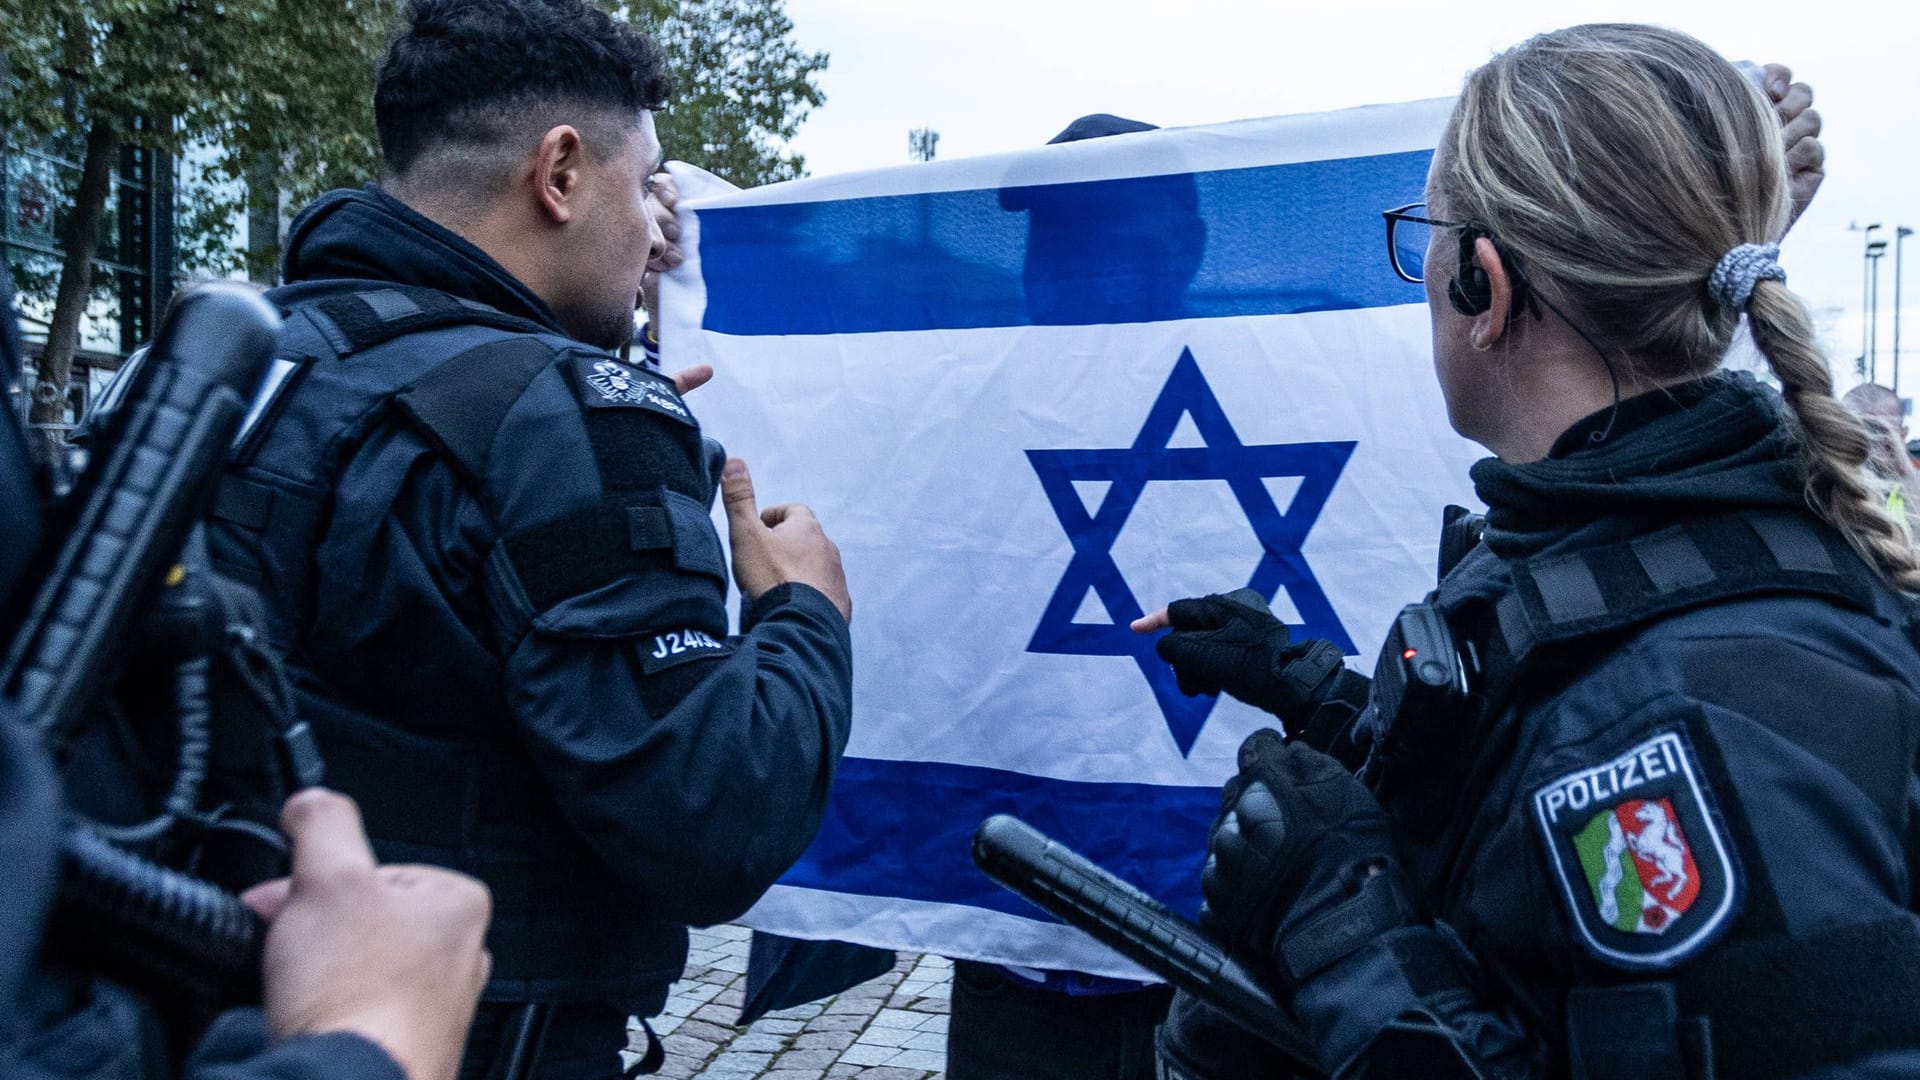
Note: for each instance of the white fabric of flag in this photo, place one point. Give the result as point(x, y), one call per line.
point(1033, 396)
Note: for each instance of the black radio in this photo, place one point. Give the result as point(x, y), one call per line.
point(1421, 668)
point(1421, 671)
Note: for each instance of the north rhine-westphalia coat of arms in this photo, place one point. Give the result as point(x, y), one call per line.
point(1639, 854)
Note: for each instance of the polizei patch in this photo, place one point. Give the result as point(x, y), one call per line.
point(1641, 862)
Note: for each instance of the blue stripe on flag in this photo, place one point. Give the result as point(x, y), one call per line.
point(905, 829)
point(1270, 240)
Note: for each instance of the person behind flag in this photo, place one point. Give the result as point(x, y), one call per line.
point(1133, 262)
point(1070, 1025)
point(1650, 812)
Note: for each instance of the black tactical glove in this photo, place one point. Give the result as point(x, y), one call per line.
point(1233, 643)
point(1300, 864)
point(1196, 1043)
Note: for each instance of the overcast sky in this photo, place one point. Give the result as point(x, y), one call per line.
point(996, 75)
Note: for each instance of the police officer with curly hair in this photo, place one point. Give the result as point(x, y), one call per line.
point(485, 538)
point(1636, 790)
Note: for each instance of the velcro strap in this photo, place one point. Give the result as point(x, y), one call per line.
point(376, 316)
point(1781, 1007)
point(1433, 963)
point(1568, 589)
point(597, 545)
point(1671, 560)
point(1624, 1033)
point(1794, 545)
point(1613, 587)
point(1337, 933)
point(696, 546)
point(1311, 668)
point(649, 528)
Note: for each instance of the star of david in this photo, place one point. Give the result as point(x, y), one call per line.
point(1150, 459)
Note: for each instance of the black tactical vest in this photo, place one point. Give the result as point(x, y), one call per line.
point(357, 357)
point(1528, 630)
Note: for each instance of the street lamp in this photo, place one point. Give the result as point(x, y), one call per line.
point(1875, 251)
point(1900, 234)
point(1866, 275)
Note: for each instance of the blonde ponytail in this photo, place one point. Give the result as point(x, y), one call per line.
point(1835, 445)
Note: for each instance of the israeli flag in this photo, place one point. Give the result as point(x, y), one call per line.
point(1033, 396)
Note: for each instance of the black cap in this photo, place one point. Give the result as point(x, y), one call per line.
point(1099, 126)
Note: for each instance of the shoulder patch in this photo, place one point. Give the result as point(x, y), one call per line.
point(1640, 857)
point(606, 383)
point(676, 647)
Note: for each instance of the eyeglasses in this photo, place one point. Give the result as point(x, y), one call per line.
point(1408, 235)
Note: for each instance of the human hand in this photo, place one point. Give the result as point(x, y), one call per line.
point(1799, 135)
point(663, 202)
point(1300, 862)
point(1195, 1040)
point(780, 544)
point(687, 380)
point(1233, 643)
point(392, 953)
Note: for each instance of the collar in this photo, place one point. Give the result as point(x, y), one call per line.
point(370, 235)
point(1631, 415)
point(1720, 443)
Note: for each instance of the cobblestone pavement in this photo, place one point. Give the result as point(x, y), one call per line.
point(892, 1028)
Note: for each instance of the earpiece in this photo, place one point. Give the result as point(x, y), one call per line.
point(1471, 291)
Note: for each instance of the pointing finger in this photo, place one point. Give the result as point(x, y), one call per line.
point(687, 380)
point(1151, 621)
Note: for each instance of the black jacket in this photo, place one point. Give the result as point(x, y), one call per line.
point(1693, 840)
point(517, 658)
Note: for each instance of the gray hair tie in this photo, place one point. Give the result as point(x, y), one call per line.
point(1731, 284)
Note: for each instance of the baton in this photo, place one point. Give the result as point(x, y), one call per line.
point(1072, 888)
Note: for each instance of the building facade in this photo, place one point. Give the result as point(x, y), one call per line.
point(133, 260)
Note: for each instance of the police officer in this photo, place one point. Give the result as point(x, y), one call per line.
point(371, 972)
point(485, 540)
point(1652, 814)
point(1885, 416)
